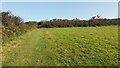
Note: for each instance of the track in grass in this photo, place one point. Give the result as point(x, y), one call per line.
point(67, 46)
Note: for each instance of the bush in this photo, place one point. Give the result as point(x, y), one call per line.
point(13, 26)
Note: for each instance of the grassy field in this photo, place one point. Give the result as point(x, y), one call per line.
point(83, 46)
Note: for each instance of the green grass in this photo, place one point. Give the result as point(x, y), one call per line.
point(83, 46)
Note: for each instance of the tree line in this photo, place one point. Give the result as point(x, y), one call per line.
point(76, 23)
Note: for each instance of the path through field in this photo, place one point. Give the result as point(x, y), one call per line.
point(66, 46)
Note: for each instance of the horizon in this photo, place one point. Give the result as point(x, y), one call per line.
point(37, 11)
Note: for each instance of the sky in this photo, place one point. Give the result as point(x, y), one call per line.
point(59, 0)
point(37, 11)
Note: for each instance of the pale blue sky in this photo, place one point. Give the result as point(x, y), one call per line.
point(48, 10)
point(59, 0)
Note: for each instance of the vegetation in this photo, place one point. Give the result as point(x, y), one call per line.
point(84, 44)
point(76, 23)
point(77, 46)
point(13, 26)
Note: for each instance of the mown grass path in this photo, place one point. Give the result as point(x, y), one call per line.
point(67, 46)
